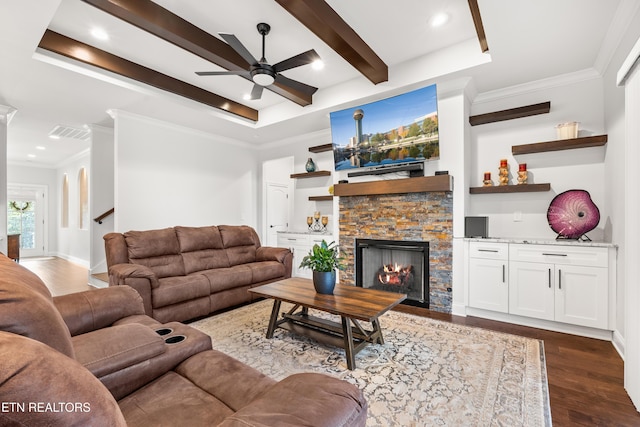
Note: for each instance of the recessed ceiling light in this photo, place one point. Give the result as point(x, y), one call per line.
point(40, 147)
point(31, 156)
point(439, 19)
point(54, 136)
point(99, 33)
point(318, 64)
point(246, 96)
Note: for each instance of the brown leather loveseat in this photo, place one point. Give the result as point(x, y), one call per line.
point(186, 272)
point(95, 358)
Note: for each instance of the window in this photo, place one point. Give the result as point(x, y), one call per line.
point(21, 215)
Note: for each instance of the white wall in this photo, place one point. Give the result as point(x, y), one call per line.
point(40, 176)
point(167, 175)
point(298, 147)
point(577, 97)
point(73, 243)
point(101, 190)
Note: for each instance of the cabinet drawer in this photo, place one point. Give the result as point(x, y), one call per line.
point(489, 250)
point(559, 254)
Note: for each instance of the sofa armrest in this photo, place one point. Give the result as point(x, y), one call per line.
point(139, 277)
point(304, 400)
point(90, 310)
point(282, 255)
point(110, 350)
point(120, 272)
point(267, 253)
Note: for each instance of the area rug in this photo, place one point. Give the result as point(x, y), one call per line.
point(428, 372)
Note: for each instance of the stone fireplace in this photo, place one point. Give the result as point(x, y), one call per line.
point(422, 216)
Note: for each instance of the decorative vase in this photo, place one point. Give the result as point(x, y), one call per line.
point(310, 166)
point(324, 281)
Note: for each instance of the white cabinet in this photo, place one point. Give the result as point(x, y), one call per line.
point(300, 244)
point(488, 273)
point(561, 283)
point(569, 284)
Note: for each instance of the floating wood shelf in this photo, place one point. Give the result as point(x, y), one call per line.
point(396, 186)
point(310, 174)
point(524, 188)
point(320, 198)
point(561, 144)
point(321, 148)
point(512, 113)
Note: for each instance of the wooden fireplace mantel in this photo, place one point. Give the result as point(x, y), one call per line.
point(396, 186)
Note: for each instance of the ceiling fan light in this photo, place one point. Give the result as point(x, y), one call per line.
point(263, 79)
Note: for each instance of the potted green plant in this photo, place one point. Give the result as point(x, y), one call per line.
point(323, 260)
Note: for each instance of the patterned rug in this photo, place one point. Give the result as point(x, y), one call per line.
point(428, 373)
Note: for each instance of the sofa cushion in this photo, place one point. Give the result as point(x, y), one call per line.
point(266, 270)
point(240, 242)
point(221, 279)
point(173, 400)
point(157, 249)
point(109, 350)
point(173, 290)
point(235, 383)
point(320, 400)
point(26, 308)
point(204, 260)
point(198, 238)
point(35, 374)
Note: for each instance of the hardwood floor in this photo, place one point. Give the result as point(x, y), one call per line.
point(61, 276)
point(585, 375)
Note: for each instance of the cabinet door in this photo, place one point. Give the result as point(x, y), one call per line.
point(488, 286)
point(531, 289)
point(297, 244)
point(581, 295)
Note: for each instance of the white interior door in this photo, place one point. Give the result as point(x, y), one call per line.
point(277, 205)
point(26, 212)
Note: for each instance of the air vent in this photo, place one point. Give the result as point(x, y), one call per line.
point(61, 131)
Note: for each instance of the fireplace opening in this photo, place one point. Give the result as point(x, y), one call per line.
point(399, 266)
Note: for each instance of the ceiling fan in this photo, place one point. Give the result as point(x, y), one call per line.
point(261, 72)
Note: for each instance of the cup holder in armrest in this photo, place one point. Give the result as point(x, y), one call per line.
point(175, 339)
point(164, 331)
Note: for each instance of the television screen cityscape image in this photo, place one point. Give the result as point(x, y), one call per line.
point(400, 129)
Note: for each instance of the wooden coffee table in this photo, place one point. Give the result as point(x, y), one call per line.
point(353, 304)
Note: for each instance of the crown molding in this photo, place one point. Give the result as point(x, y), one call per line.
point(115, 113)
point(538, 85)
point(6, 114)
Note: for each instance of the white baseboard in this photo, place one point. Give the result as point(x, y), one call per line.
point(97, 283)
point(618, 343)
point(81, 262)
point(601, 334)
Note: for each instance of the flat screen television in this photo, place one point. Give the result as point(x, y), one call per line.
point(395, 130)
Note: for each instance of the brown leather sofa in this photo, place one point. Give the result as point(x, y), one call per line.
point(186, 272)
point(95, 358)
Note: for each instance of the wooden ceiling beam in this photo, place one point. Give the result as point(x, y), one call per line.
point(477, 21)
point(162, 23)
point(70, 48)
point(325, 23)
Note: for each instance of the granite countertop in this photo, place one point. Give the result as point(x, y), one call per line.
point(310, 233)
point(542, 241)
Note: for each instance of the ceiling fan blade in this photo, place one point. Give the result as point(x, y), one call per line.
point(256, 92)
point(224, 73)
point(294, 85)
point(295, 61)
point(239, 47)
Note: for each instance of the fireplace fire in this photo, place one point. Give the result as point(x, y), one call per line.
point(394, 266)
point(398, 275)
